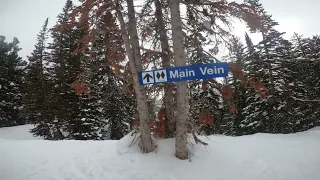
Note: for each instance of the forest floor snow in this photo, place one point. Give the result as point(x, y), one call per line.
point(252, 157)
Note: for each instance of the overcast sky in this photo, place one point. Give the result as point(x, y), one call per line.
point(24, 18)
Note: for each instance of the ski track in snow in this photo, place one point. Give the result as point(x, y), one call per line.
point(256, 157)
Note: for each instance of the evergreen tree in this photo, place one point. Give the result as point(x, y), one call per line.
point(289, 107)
point(264, 64)
point(85, 93)
point(206, 100)
point(66, 69)
point(101, 112)
point(236, 91)
point(107, 82)
point(35, 96)
point(282, 68)
point(62, 102)
point(304, 82)
point(207, 108)
point(114, 109)
point(202, 29)
point(11, 79)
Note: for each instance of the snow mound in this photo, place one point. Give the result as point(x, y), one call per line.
point(315, 129)
point(128, 144)
point(17, 133)
point(254, 157)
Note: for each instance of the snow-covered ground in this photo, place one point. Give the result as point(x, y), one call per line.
point(17, 133)
point(254, 157)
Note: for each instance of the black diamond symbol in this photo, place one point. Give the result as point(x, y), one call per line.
point(163, 75)
point(158, 75)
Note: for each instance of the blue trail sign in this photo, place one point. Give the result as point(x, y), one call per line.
point(184, 73)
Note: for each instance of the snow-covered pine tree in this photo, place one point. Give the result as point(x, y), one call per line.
point(118, 108)
point(264, 73)
point(266, 64)
point(109, 112)
point(68, 68)
point(207, 108)
point(202, 30)
point(36, 85)
point(206, 103)
point(63, 103)
point(235, 91)
point(304, 82)
point(85, 93)
point(11, 79)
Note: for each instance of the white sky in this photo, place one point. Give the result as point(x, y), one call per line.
point(24, 18)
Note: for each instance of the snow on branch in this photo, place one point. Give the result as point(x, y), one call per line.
point(305, 100)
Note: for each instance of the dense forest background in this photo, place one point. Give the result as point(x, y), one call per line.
point(70, 91)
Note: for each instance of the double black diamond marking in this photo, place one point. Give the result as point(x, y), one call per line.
point(161, 75)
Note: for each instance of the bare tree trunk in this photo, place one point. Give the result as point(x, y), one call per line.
point(168, 87)
point(182, 87)
point(133, 51)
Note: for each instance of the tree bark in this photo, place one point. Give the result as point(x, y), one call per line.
point(133, 52)
point(182, 87)
point(168, 87)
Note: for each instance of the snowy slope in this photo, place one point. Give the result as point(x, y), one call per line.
point(255, 157)
point(17, 133)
